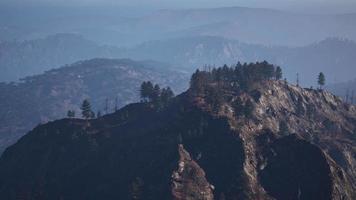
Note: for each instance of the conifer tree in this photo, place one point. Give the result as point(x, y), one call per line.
point(146, 91)
point(156, 93)
point(86, 109)
point(321, 80)
point(278, 73)
point(166, 95)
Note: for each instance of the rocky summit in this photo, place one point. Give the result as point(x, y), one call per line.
point(224, 138)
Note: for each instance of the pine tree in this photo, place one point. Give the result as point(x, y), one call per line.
point(86, 109)
point(166, 95)
point(278, 73)
point(321, 80)
point(146, 91)
point(156, 93)
point(197, 80)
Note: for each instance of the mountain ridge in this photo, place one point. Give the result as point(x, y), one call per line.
point(235, 151)
point(41, 98)
point(189, 53)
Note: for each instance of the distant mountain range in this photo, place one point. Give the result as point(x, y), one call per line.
point(111, 26)
point(192, 52)
point(41, 98)
point(19, 59)
point(251, 25)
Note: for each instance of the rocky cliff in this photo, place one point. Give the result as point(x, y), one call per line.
point(272, 141)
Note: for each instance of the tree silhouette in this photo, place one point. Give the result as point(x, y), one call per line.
point(86, 109)
point(278, 73)
point(156, 93)
point(146, 90)
point(321, 80)
point(153, 94)
point(166, 95)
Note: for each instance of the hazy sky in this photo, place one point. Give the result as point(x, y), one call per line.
point(297, 5)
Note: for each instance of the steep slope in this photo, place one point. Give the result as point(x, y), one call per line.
point(49, 96)
point(271, 140)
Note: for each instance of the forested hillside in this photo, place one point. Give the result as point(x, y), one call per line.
point(106, 83)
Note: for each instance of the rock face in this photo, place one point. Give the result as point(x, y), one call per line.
point(293, 143)
point(189, 180)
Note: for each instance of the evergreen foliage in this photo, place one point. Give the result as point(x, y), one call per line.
point(146, 90)
point(279, 73)
point(155, 95)
point(321, 80)
point(241, 75)
point(87, 113)
point(166, 94)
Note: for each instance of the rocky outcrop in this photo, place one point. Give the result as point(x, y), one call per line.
point(273, 141)
point(189, 182)
point(311, 158)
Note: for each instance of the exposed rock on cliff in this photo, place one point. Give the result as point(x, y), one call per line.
point(189, 182)
point(271, 140)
